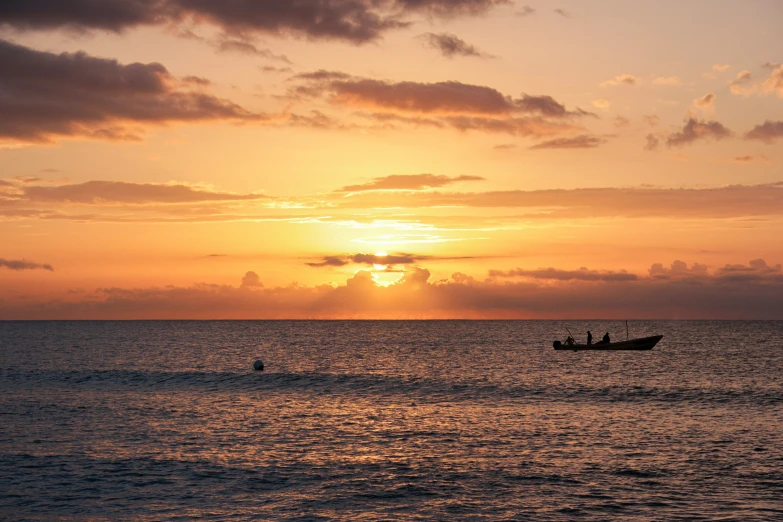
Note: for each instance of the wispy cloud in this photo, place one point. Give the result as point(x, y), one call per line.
point(578, 142)
point(450, 45)
point(409, 182)
point(622, 79)
point(23, 264)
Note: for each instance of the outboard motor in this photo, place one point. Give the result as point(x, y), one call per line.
point(556, 344)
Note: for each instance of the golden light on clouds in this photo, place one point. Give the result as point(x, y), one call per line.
point(393, 155)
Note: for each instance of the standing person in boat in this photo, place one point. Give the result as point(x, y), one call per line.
point(606, 338)
point(589, 337)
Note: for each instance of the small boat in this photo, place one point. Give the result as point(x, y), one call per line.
point(643, 343)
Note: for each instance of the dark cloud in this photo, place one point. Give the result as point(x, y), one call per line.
point(46, 95)
point(330, 261)
point(563, 13)
point(387, 260)
point(583, 274)
point(578, 142)
point(367, 259)
point(768, 132)
point(450, 45)
point(446, 98)
point(442, 104)
point(23, 264)
point(505, 146)
point(355, 21)
point(695, 130)
point(93, 192)
point(82, 14)
point(409, 182)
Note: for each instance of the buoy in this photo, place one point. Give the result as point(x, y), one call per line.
point(258, 365)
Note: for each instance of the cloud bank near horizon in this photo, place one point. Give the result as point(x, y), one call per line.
point(753, 291)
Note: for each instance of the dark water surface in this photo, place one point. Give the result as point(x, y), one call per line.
point(388, 420)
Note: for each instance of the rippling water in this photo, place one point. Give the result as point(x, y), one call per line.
point(389, 420)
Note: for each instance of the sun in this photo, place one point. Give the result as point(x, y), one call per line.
point(378, 266)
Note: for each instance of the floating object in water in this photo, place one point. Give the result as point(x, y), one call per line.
point(258, 365)
point(643, 343)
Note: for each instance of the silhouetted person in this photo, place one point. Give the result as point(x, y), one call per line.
point(606, 338)
point(589, 337)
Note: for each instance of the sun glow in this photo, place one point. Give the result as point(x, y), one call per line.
point(378, 266)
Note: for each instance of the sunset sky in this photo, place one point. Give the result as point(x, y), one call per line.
point(391, 159)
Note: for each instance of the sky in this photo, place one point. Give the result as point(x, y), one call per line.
point(391, 159)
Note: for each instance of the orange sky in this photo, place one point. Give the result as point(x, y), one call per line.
point(392, 159)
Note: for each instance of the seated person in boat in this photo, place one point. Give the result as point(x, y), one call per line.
point(570, 341)
point(605, 340)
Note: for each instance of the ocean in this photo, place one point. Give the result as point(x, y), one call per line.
point(389, 420)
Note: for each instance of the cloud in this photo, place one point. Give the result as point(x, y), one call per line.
point(737, 84)
point(774, 84)
point(409, 182)
point(677, 270)
point(583, 274)
point(579, 142)
point(667, 80)
point(93, 192)
point(705, 102)
point(450, 45)
point(48, 95)
point(279, 70)
point(23, 264)
point(695, 130)
point(743, 84)
point(601, 104)
point(442, 98)
point(354, 21)
point(727, 202)
point(749, 159)
point(652, 120)
point(718, 67)
point(757, 270)
point(525, 10)
point(251, 280)
point(621, 122)
point(623, 79)
point(768, 132)
point(653, 142)
point(236, 45)
point(505, 146)
point(754, 291)
point(387, 260)
point(441, 104)
point(562, 12)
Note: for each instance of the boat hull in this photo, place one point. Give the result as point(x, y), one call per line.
point(643, 343)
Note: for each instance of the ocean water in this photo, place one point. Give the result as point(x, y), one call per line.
point(389, 420)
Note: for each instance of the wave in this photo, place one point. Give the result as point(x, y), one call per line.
point(426, 390)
